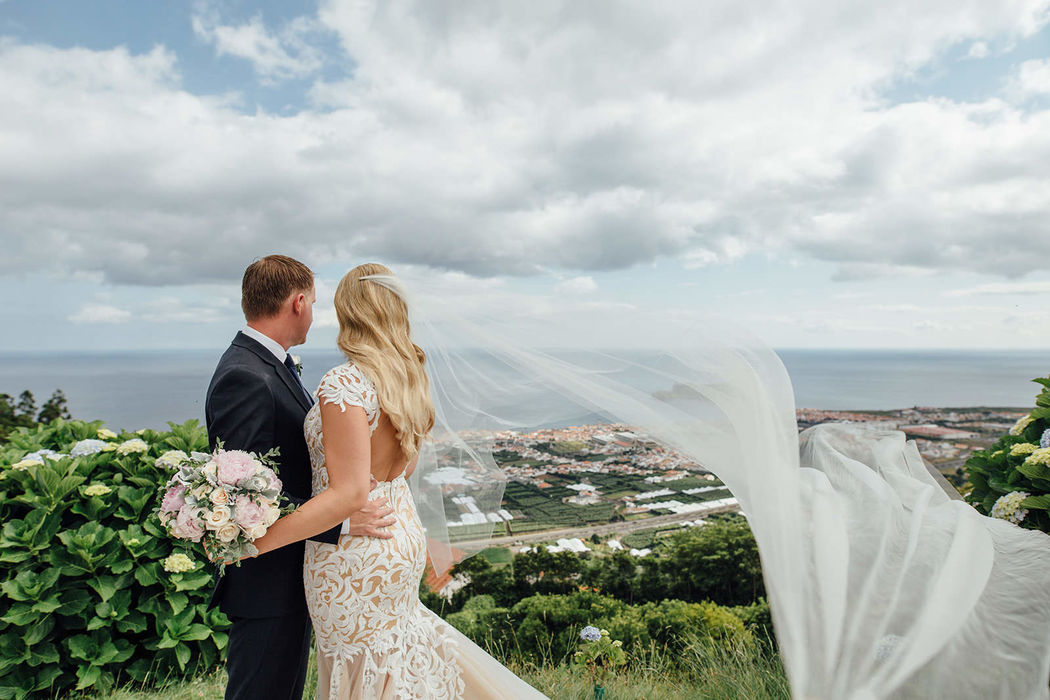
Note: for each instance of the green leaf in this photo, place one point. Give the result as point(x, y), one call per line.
point(182, 653)
point(139, 669)
point(167, 642)
point(1041, 502)
point(133, 622)
point(75, 601)
point(195, 633)
point(82, 647)
point(178, 602)
point(122, 566)
point(87, 676)
point(192, 581)
point(1035, 471)
point(47, 676)
point(21, 615)
point(146, 575)
point(105, 586)
point(97, 623)
point(38, 632)
point(49, 605)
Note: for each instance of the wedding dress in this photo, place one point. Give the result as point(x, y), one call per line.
point(375, 638)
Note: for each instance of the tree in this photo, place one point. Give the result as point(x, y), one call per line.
point(54, 407)
point(26, 404)
point(616, 575)
point(718, 562)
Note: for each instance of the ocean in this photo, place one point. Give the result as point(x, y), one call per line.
point(147, 389)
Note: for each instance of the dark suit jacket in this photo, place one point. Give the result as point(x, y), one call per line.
point(254, 404)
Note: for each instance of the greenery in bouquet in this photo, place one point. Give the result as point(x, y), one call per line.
point(94, 593)
point(1011, 479)
point(598, 656)
point(225, 500)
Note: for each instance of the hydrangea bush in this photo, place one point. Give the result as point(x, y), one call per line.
point(94, 594)
point(1011, 479)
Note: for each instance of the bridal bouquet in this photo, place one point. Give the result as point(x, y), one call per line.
point(225, 500)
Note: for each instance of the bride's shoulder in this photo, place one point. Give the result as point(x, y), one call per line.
point(344, 372)
point(346, 384)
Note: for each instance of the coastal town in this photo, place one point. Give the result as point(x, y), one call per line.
point(566, 484)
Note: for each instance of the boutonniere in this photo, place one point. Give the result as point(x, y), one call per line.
point(298, 364)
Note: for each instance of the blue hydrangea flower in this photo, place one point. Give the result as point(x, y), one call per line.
point(40, 455)
point(88, 447)
point(1044, 441)
point(590, 633)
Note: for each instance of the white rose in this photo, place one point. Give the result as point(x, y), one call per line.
point(272, 514)
point(219, 497)
point(228, 532)
point(211, 470)
point(257, 532)
point(217, 517)
point(201, 491)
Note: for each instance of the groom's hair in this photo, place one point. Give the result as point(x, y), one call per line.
point(269, 281)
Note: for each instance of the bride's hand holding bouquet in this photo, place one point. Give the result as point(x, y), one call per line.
point(225, 501)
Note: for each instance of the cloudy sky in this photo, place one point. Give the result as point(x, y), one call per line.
point(830, 174)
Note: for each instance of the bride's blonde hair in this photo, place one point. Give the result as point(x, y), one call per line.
point(374, 334)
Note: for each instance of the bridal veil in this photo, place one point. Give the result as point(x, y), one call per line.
point(880, 585)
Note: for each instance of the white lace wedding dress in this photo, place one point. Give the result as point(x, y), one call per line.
point(375, 638)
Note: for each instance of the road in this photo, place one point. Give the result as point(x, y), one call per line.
point(621, 528)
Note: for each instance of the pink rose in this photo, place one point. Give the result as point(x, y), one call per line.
point(235, 465)
point(247, 513)
point(173, 499)
point(187, 527)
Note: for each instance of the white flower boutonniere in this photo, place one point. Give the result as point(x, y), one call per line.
point(298, 364)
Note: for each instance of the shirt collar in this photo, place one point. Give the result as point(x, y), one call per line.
point(267, 342)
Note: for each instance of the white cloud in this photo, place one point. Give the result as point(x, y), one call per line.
point(1032, 78)
point(543, 136)
point(577, 285)
point(100, 313)
point(1001, 288)
point(274, 57)
point(978, 49)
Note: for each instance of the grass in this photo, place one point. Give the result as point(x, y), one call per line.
point(704, 670)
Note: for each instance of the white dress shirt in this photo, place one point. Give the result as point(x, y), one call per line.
point(280, 353)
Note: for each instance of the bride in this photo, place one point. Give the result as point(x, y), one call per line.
point(375, 638)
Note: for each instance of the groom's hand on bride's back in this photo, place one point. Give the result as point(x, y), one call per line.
point(368, 521)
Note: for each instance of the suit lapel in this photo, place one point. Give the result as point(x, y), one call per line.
point(266, 356)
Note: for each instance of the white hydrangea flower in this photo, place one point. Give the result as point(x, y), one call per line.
point(1009, 508)
point(172, 459)
point(88, 447)
point(26, 464)
point(590, 633)
point(106, 434)
point(97, 490)
point(1039, 456)
point(1023, 448)
point(178, 563)
point(133, 445)
point(1021, 424)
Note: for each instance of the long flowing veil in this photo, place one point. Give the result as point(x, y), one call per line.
point(880, 585)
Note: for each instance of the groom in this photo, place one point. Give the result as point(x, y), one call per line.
point(255, 402)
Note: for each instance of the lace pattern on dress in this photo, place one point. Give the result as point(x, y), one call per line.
point(363, 593)
point(346, 385)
